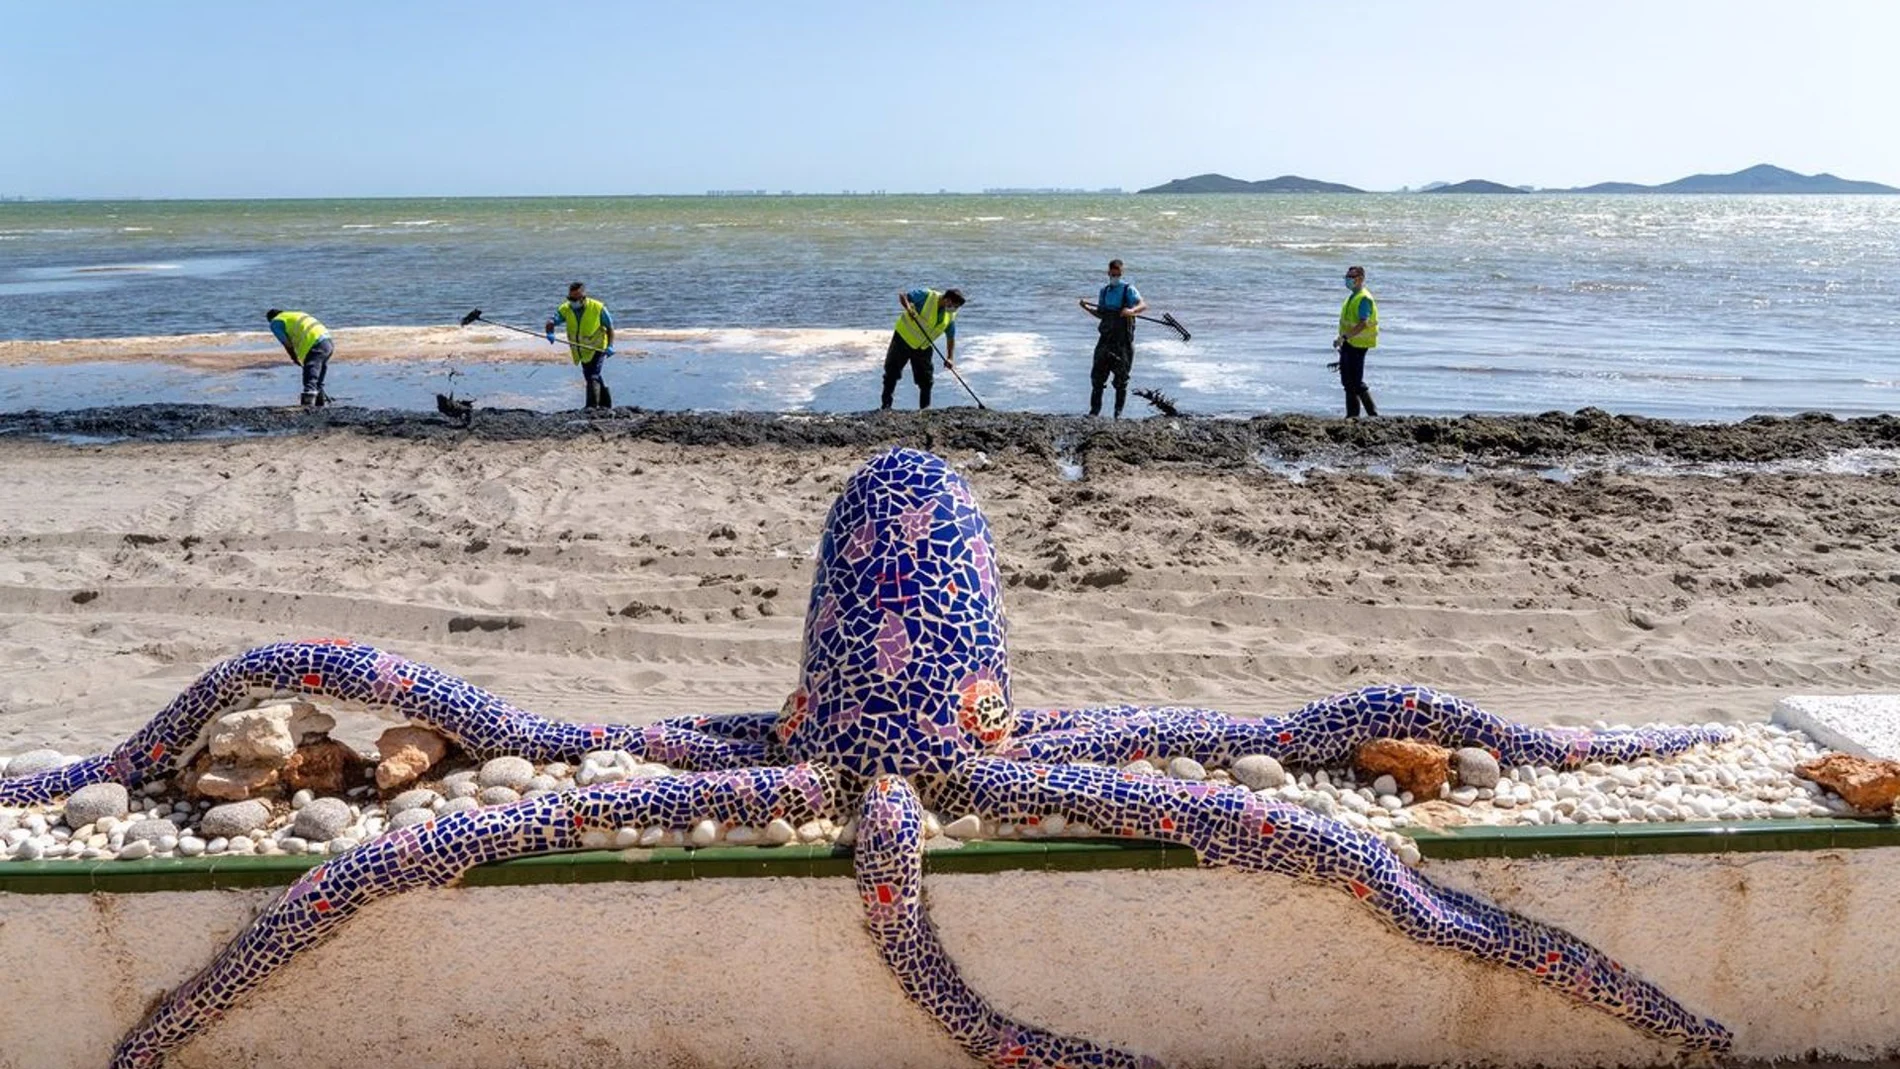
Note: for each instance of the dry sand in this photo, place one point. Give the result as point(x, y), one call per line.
point(628, 578)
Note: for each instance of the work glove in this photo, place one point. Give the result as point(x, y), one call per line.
point(608, 351)
point(550, 336)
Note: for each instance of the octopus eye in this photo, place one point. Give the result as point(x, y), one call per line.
point(982, 712)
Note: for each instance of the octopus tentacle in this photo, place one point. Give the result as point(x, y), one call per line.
point(479, 721)
point(436, 853)
point(1232, 826)
point(733, 727)
point(890, 873)
point(1327, 731)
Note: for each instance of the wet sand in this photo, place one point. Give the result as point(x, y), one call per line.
point(645, 564)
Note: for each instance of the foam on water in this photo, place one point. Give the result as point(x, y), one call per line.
point(1018, 361)
point(1853, 462)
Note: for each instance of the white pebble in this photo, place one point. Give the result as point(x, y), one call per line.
point(301, 799)
point(705, 833)
point(133, 851)
point(1186, 768)
point(626, 837)
point(780, 831)
point(967, 826)
point(743, 835)
point(652, 836)
point(191, 846)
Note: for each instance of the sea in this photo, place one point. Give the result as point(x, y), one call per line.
point(1698, 308)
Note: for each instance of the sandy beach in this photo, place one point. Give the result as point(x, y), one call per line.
point(632, 568)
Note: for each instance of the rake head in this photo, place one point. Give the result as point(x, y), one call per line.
point(471, 317)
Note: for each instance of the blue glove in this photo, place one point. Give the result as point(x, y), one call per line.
point(608, 351)
point(550, 335)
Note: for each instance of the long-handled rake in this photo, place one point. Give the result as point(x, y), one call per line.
point(477, 314)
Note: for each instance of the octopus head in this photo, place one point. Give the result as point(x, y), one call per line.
point(904, 666)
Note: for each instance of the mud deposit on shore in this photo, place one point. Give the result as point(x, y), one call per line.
point(1553, 437)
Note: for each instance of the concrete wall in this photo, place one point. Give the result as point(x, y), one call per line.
point(1793, 951)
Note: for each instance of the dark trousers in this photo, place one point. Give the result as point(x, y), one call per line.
point(597, 393)
point(1114, 356)
point(316, 363)
point(921, 369)
point(1352, 376)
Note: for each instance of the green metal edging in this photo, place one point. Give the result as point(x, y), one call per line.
point(1044, 855)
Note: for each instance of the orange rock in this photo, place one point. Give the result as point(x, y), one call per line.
point(188, 776)
point(230, 782)
point(325, 766)
point(1869, 784)
point(408, 752)
point(1419, 767)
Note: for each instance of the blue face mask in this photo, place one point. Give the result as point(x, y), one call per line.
point(1349, 285)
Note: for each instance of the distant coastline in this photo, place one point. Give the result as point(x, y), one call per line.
point(1761, 178)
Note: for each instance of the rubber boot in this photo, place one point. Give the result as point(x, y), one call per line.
point(1365, 398)
point(308, 400)
point(593, 395)
point(1121, 398)
point(1095, 401)
point(607, 396)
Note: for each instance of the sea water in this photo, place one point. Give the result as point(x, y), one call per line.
point(1685, 307)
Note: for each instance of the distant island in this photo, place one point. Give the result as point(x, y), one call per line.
point(1475, 185)
point(1220, 183)
point(1761, 178)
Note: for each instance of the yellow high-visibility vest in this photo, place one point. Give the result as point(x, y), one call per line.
point(1349, 318)
point(585, 328)
point(936, 320)
point(304, 330)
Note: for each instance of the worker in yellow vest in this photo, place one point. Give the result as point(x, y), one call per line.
point(1358, 334)
point(308, 343)
point(926, 315)
point(590, 339)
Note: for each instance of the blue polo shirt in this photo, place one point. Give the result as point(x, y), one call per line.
point(917, 299)
point(1117, 296)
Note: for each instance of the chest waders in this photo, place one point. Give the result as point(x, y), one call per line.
point(1114, 352)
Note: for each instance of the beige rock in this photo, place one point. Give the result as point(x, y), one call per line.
point(1869, 784)
point(268, 733)
point(232, 782)
point(1437, 815)
point(408, 752)
point(325, 766)
point(1420, 767)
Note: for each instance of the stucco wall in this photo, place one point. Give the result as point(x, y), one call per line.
point(1198, 968)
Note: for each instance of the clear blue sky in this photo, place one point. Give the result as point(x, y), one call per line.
point(351, 98)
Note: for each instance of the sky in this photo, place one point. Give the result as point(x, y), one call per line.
point(117, 98)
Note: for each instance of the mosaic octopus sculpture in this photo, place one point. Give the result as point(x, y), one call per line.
point(904, 698)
